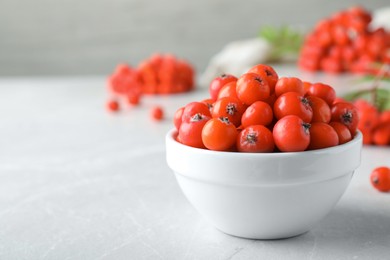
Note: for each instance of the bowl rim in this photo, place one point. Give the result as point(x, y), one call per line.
point(356, 139)
point(282, 168)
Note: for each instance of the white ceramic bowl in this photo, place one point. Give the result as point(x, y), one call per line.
point(263, 195)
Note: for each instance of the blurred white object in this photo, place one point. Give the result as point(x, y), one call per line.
point(381, 18)
point(236, 58)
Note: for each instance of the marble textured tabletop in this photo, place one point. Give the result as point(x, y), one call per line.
point(77, 182)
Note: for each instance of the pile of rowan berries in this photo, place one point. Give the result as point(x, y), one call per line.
point(373, 123)
point(345, 42)
point(260, 112)
point(159, 74)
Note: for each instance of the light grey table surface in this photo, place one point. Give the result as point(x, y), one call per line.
point(77, 182)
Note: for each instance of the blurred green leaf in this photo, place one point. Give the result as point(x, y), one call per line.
point(383, 99)
point(379, 97)
point(284, 40)
point(361, 94)
point(372, 77)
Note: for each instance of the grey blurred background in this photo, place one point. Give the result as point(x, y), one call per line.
point(89, 37)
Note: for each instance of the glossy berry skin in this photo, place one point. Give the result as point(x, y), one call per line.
point(338, 100)
point(326, 92)
point(228, 107)
point(271, 100)
point(347, 114)
point(306, 86)
point(321, 110)
point(255, 139)
point(209, 103)
point(190, 132)
point(291, 134)
point(289, 84)
point(266, 72)
point(292, 103)
point(193, 108)
point(112, 105)
point(217, 83)
point(322, 135)
point(177, 118)
point(380, 178)
point(259, 113)
point(157, 113)
point(342, 131)
point(219, 134)
point(228, 90)
point(252, 87)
